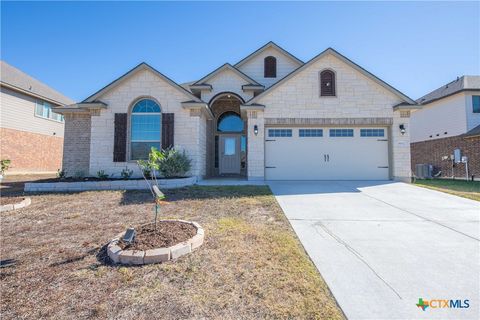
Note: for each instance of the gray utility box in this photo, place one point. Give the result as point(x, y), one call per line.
point(424, 171)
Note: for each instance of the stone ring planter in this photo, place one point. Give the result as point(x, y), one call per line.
point(9, 207)
point(157, 255)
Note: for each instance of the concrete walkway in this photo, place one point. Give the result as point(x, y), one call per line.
point(381, 246)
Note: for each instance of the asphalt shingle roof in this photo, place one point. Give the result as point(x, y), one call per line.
point(460, 84)
point(19, 79)
point(474, 132)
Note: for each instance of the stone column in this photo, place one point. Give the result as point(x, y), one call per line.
point(401, 146)
point(255, 145)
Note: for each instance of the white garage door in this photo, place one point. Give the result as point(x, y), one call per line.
point(357, 153)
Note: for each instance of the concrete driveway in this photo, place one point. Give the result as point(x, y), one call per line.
point(381, 246)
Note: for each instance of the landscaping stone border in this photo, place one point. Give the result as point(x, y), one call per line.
point(140, 257)
point(106, 185)
point(14, 206)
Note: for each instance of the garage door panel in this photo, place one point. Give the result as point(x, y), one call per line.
point(327, 158)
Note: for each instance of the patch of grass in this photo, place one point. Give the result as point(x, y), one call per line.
point(461, 188)
point(251, 266)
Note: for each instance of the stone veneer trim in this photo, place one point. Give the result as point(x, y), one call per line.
point(157, 255)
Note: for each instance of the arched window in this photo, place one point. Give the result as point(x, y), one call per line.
point(230, 122)
point(146, 125)
point(270, 64)
point(327, 83)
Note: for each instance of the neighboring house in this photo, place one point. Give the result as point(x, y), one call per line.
point(31, 134)
point(449, 120)
point(269, 116)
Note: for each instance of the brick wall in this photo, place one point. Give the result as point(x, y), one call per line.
point(431, 152)
point(30, 152)
point(76, 158)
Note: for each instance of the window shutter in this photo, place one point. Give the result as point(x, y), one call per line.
point(270, 67)
point(120, 138)
point(327, 83)
point(167, 130)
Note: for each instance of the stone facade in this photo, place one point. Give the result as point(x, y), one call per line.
point(120, 99)
point(30, 152)
point(254, 66)
point(226, 81)
point(432, 152)
point(76, 157)
point(356, 96)
point(297, 99)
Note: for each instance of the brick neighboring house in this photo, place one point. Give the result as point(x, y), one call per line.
point(269, 116)
point(449, 120)
point(31, 134)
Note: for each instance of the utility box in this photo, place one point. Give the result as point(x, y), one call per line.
point(424, 171)
point(457, 155)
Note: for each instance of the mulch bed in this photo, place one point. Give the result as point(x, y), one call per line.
point(10, 200)
point(167, 234)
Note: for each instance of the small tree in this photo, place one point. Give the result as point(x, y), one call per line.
point(170, 163)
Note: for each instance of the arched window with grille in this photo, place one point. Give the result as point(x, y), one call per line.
point(327, 83)
point(145, 128)
point(270, 64)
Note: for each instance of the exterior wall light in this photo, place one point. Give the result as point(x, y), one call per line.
point(255, 129)
point(402, 129)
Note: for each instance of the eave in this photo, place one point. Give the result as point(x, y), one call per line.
point(253, 87)
point(201, 87)
point(31, 94)
point(406, 106)
point(195, 105)
point(82, 107)
point(252, 107)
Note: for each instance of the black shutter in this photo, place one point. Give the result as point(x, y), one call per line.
point(327, 83)
point(270, 67)
point(167, 130)
point(120, 138)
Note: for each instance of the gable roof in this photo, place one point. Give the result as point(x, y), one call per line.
point(140, 67)
point(269, 44)
point(464, 83)
point(18, 80)
point(333, 52)
point(226, 66)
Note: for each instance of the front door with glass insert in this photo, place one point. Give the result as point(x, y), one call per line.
point(229, 154)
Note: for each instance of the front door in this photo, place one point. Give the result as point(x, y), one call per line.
point(229, 154)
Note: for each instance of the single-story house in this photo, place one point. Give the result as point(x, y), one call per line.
point(449, 120)
point(269, 116)
point(31, 134)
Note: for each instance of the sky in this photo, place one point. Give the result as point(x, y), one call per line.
point(79, 47)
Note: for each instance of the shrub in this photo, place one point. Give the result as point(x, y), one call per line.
point(126, 173)
point(173, 163)
point(102, 175)
point(5, 165)
point(61, 174)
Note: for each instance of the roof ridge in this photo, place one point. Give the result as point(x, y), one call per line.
point(345, 60)
point(16, 78)
point(226, 64)
point(269, 43)
point(133, 70)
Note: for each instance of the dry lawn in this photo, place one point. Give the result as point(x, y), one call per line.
point(251, 266)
